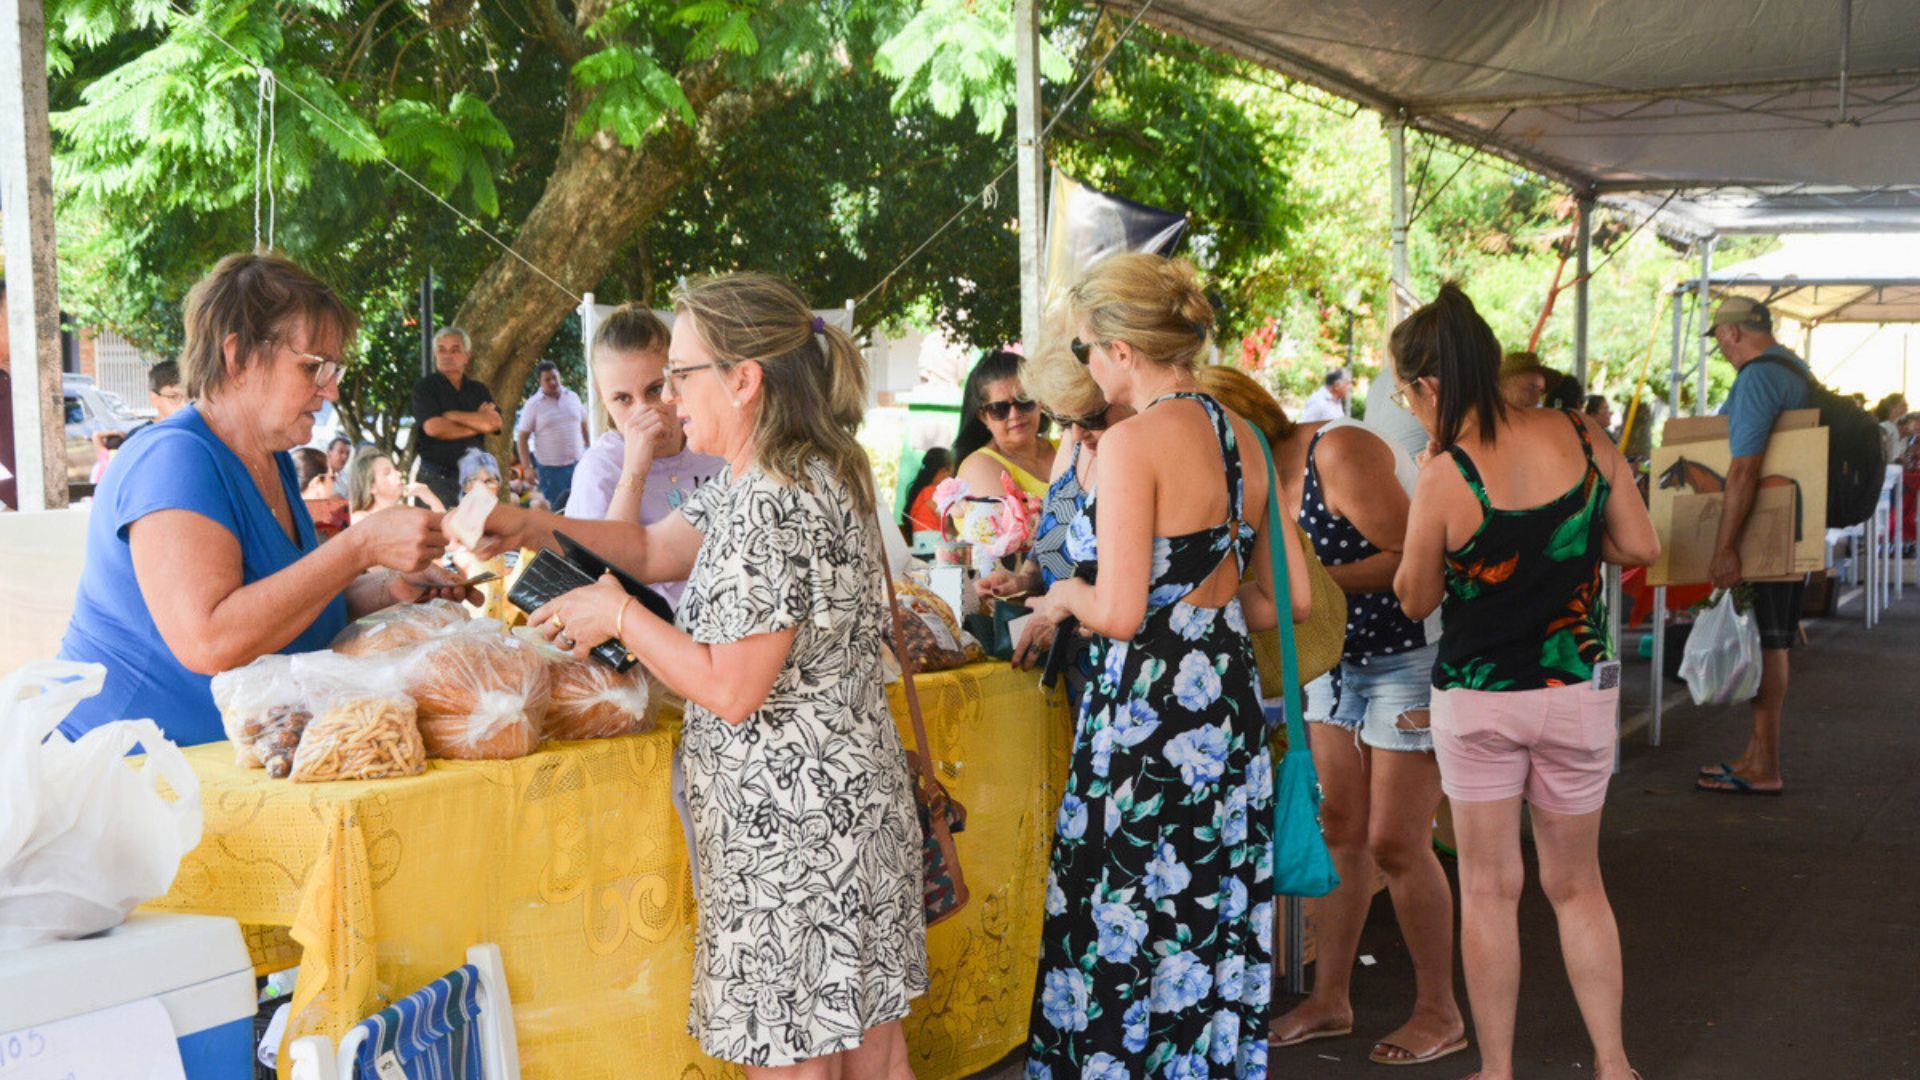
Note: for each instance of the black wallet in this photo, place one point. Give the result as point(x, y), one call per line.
point(1066, 636)
point(552, 574)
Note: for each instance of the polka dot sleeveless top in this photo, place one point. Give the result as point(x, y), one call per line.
point(1376, 626)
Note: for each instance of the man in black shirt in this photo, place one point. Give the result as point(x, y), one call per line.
point(451, 414)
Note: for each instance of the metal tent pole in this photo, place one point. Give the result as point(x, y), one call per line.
point(590, 326)
point(1657, 622)
point(33, 300)
point(1400, 271)
point(1583, 249)
point(1031, 157)
point(1706, 298)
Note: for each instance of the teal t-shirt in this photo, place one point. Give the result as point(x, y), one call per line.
point(177, 464)
point(1761, 392)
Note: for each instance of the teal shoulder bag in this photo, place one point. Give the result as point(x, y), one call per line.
point(1301, 864)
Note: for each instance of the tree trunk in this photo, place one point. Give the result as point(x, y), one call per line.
point(599, 195)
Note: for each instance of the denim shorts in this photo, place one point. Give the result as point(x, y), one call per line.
point(1369, 699)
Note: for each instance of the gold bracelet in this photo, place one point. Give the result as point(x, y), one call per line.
point(628, 480)
point(620, 624)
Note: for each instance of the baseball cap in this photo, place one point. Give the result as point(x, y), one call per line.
point(1520, 363)
point(1740, 311)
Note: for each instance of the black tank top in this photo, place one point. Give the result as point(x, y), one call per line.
point(1525, 607)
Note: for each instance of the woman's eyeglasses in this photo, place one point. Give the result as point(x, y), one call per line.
point(678, 375)
point(324, 372)
point(1090, 422)
point(1399, 395)
point(1000, 410)
point(1083, 351)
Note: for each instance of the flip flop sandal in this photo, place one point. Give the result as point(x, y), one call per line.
point(1434, 1055)
point(1740, 787)
point(1309, 1036)
point(1713, 772)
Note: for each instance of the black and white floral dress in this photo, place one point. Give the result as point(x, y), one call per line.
point(810, 926)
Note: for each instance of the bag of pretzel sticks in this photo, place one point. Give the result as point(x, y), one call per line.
point(364, 725)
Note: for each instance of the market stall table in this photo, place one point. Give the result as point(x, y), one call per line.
point(573, 861)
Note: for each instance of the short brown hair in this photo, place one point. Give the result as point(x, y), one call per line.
point(257, 297)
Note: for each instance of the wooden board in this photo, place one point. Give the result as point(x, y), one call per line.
point(1689, 468)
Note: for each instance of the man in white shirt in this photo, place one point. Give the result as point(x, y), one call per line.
point(1330, 401)
point(555, 422)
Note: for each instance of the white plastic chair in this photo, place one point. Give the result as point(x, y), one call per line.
point(315, 1058)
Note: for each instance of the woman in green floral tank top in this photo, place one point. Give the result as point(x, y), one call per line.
point(1514, 513)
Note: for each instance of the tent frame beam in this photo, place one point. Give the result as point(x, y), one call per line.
point(1690, 93)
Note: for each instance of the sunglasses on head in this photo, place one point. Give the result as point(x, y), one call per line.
point(1000, 410)
point(1090, 422)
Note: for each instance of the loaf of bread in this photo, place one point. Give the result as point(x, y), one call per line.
point(480, 692)
point(591, 700)
point(397, 627)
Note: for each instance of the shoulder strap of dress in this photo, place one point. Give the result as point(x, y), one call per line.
point(1580, 428)
point(1472, 476)
point(1229, 453)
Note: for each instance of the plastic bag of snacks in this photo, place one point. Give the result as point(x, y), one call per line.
point(363, 725)
point(481, 692)
point(928, 633)
point(591, 700)
point(397, 626)
point(264, 713)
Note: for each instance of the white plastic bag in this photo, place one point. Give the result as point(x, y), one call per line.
point(84, 836)
point(1722, 661)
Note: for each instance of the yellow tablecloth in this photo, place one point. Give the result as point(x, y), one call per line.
point(574, 862)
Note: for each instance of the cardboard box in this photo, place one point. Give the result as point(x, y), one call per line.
point(1785, 536)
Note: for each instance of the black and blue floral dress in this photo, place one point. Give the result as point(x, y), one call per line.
point(1157, 952)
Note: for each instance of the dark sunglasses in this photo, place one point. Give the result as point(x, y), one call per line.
point(1000, 410)
point(1083, 351)
point(1090, 422)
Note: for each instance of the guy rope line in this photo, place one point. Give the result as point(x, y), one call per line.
point(982, 196)
point(375, 148)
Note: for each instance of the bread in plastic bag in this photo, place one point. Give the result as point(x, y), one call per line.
point(264, 712)
point(397, 626)
point(591, 700)
point(482, 693)
point(1722, 660)
point(363, 725)
point(84, 836)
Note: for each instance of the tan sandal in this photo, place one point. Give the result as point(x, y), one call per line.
point(1308, 1036)
point(1438, 1052)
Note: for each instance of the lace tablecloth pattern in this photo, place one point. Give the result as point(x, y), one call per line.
point(573, 861)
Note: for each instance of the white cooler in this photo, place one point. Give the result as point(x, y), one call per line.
point(196, 965)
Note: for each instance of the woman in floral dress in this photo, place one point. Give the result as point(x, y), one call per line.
point(811, 936)
point(1158, 945)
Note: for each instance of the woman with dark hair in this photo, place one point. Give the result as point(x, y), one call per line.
point(1510, 523)
point(1000, 430)
point(1367, 724)
point(921, 516)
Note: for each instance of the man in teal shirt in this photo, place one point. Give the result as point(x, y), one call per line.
point(1770, 381)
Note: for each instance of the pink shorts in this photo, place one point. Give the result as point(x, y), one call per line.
point(1555, 746)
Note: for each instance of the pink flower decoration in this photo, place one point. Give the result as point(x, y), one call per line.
point(949, 491)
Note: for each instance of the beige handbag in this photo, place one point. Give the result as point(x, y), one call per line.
point(1319, 640)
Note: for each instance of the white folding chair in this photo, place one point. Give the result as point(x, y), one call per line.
point(314, 1058)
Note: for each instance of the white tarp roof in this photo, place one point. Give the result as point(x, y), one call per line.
point(1826, 279)
point(1733, 103)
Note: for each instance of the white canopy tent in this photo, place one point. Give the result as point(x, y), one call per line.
point(1717, 116)
point(1816, 280)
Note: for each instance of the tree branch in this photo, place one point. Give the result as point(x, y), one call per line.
point(565, 38)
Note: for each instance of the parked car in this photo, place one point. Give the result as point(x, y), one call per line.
point(91, 410)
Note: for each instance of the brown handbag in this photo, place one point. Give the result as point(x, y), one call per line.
point(944, 889)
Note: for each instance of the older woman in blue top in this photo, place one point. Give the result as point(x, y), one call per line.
point(200, 553)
